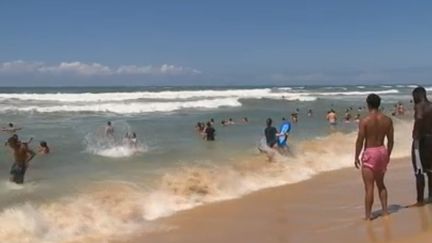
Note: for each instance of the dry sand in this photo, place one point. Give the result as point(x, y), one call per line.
point(327, 208)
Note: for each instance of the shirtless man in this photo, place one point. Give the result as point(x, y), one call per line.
point(332, 117)
point(372, 130)
point(11, 129)
point(22, 155)
point(422, 142)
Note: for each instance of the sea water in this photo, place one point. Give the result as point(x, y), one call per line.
point(91, 186)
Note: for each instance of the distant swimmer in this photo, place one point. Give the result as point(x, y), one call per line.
point(332, 117)
point(230, 121)
point(244, 120)
point(43, 148)
point(199, 127)
point(294, 117)
point(309, 113)
point(212, 121)
point(400, 109)
point(209, 132)
point(347, 116)
point(357, 118)
point(373, 129)
point(422, 142)
point(11, 129)
point(109, 129)
point(22, 156)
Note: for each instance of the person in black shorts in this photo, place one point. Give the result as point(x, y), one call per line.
point(422, 143)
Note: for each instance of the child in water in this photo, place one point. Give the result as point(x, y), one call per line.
point(43, 148)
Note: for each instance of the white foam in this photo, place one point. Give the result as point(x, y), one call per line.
point(127, 108)
point(118, 151)
point(108, 209)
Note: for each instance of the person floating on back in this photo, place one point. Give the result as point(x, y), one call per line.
point(373, 129)
point(22, 156)
point(422, 143)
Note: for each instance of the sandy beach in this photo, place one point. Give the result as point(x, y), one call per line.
point(327, 208)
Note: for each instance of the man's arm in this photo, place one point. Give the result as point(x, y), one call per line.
point(359, 142)
point(390, 140)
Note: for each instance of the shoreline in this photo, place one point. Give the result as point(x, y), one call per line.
point(328, 207)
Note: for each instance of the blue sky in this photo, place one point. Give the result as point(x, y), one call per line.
point(214, 42)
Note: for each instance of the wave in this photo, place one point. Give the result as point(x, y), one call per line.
point(358, 93)
point(127, 108)
point(162, 95)
point(108, 209)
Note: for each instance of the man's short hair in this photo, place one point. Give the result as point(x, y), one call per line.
point(419, 94)
point(373, 101)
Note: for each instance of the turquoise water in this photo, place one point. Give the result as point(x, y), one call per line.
point(173, 168)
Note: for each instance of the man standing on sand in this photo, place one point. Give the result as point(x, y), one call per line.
point(372, 130)
point(22, 155)
point(422, 143)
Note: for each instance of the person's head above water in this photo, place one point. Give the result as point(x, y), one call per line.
point(269, 122)
point(208, 124)
point(419, 94)
point(373, 101)
point(43, 144)
point(11, 125)
point(109, 123)
point(283, 119)
point(13, 141)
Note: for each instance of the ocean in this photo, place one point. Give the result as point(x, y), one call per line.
point(91, 187)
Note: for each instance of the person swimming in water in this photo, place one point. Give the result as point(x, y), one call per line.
point(347, 116)
point(332, 117)
point(11, 129)
point(209, 132)
point(22, 157)
point(43, 148)
point(373, 129)
point(109, 130)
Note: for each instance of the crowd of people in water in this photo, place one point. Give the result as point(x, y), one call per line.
point(373, 129)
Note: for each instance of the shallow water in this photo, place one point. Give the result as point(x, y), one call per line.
point(92, 186)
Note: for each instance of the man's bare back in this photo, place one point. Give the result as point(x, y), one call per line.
point(376, 127)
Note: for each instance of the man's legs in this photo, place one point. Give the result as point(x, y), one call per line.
point(420, 183)
point(429, 176)
point(368, 180)
point(382, 191)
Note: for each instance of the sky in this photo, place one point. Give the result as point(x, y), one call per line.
point(93, 43)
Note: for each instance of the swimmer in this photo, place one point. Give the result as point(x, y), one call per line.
point(230, 121)
point(332, 117)
point(357, 118)
point(109, 130)
point(244, 120)
point(347, 116)
point(43, 148)
point(294, 117)
point(373, 129)
point(209, 133)
point(22, 156)
point(400, 109)
point(309, 114)
point(11, 129)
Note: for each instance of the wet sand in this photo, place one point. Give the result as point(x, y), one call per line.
point(327, 208)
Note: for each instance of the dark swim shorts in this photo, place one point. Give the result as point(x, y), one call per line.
point(422, 161)
point(17, 173)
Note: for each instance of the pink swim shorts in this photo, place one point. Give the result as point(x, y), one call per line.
point(375, 158)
